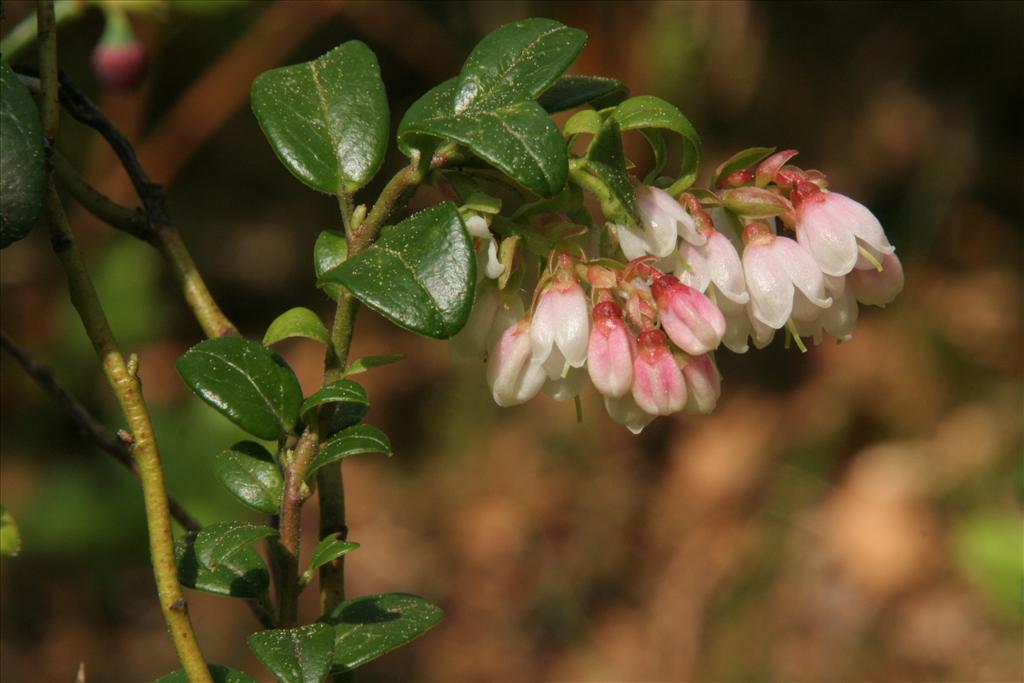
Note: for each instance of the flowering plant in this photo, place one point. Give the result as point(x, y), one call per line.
point(550, 260)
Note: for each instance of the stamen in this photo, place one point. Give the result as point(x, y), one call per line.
point(565, 370)
point(871, 259)
point(791, 328)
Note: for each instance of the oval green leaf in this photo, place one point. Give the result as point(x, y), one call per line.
point(572, 91)
point(352, 441)
point(243, 575)
point(366, 628)
point(327, 120)
point(246, 382)
point(297, 322)
point(330, 251)
point(248, 471)
point(219, 673)
point(221, 541)
point(330, 548)
point(22, 167)
point(606, 159)
point(342, 391)
point(647, 111)
point(517, 61)
point(420, 274)
point(296, 655)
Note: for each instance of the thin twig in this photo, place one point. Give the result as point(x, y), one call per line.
point(87, 424)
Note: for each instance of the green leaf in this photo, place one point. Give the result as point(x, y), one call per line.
point(369, 362)
point(366, 628)
point(740, 160)
point(517, 61)
point(327, 119)
point(584, 121)
point(220, 674)
point(330, 251)
point(608, 162)
point(343, 391)
point(221, 541)
point(297, 322)
point(572, 91)
point(296, 655)
point(22, 167)
point(248, 471)
point(243, 575)
point(352, 441)
point(246, 382)
point(10, 539)
point(647, 111)
point(420, 274)
point(656, 140)
point(518, 139)
point(330, 548)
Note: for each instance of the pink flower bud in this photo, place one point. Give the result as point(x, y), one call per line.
point(610, 352)
point(120, 66)
point(703, 385)
point(562, 320)
point(691, 320)
point(833, 227)
point(658, 386)
point(511, 375)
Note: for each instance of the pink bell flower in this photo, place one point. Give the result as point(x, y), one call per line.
point(611, 351)
point(658, 386)
point(703, 385)
point(691, 320)
point(781, 277)
point(561, 322)
point(876, 288)
point(511, 374)
point(833, 228)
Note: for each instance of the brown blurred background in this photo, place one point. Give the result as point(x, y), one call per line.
point(852, 514)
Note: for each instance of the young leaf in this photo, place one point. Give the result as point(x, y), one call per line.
point(296, 655)
point(366, 628)
point(248, 471)
point(517, 61)
point(221, 541)
point(297, 322)
point(246, 382)
point(608, 162)
point(369, 362)
point(327, 120)
point(243, 575)
point(10, 539)
point(420, 274)
point(330, 251)
point(351, 441)
point(648, 111)
point(572, 91)
point(219, 674)
point(22, 170)
point(343, 391)
point(330, 548)
point(745, 158)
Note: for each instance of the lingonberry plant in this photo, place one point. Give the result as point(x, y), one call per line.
point(551, 260)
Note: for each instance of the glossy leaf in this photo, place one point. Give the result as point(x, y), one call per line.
point(297, 322)
point(248, 471)
point(22, 167)
point(330, 548)
point(342, 391)
point(296, 655)
point(360, 365)
point(352, 441)
point(745, 158)
point(366, 628)
point(584, 121)
point(327, 119)
point(607, 160)
point(515, 62)
point(518, 139)
point(221, 541)
point(246, 382)
point(572, 91)
point(243, 575)
point(330, 251)
point(219, 674)
point(420, 274)
point(647, 111)
point(10, 538)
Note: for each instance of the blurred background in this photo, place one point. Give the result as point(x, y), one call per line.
point(850, 514)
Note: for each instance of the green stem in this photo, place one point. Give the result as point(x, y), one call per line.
point(204, 307)
point(290, 529)
point(98, 204)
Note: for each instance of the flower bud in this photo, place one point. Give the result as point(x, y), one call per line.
point(562, 320)
point(119, 59)
point(691, 320)
point(658, 386)
point(511, 375)
point(610, 352)
point(703, 385)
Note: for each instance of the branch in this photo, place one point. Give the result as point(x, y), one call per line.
point(87, 424)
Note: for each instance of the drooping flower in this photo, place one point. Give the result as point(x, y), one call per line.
point(663, 222)
point(624, 411)
point(511, 374)
point(781, 277)
point(692, 321)
point(658, 386)
point(877, 288)
point(487, 252)
point(493, 311)
point(610, 351)
point(834, 228)
point(703, 385)
point(562, 320)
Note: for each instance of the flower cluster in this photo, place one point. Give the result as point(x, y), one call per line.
point(772, 249)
